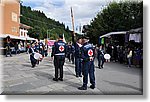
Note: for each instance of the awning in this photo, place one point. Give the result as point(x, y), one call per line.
point(28, 38)
point(113, 33)
point(25, 26)
point(16, 37)
point(11, 36)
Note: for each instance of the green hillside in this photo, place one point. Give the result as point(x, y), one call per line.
point(40, 24)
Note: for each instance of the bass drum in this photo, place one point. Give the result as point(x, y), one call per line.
point(107, 56)
point(37, 56)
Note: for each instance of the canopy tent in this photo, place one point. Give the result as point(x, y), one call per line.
point(113, 33)
point(136, 35)
point(16, 37)
point(137, 30)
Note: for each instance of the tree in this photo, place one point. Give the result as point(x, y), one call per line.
point(121, 16)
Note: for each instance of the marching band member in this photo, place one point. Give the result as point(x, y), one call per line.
point(88, 64)
point(32, 52)
point(59, 52)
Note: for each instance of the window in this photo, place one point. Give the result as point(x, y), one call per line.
point(21, 34)
point(14, 17)
point(14, 29)
point(24, 33)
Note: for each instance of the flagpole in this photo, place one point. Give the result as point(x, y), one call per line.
point(72, 16)
point(80, 29)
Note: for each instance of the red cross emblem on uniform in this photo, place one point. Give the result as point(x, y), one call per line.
point(61, 48)
point(90, 52)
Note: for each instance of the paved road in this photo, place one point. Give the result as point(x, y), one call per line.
point(20, 78)
point(117, 78)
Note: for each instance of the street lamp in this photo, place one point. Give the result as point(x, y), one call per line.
point(49, 31)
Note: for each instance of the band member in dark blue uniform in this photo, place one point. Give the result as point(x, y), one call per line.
point(69, 50)
point(59, 52)
point(78, 60)
point(100, 57)
point(8, 46)
point(41, 48)
point(37, 47)
point(32, 52)
point(72, 54)
point(88, 64)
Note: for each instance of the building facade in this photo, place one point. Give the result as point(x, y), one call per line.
point(24, 30)
point(10, 15)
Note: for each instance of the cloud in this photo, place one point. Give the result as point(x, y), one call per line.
point(84, 10)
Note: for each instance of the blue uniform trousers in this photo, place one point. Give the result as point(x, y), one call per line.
point(88, 68)
point(101, 61)
point(33, 60)
point(78, 66)
point(58, 63)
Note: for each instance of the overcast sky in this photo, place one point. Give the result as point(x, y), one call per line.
point(84, 10)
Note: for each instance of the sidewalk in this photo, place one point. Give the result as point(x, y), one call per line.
point(20, 78)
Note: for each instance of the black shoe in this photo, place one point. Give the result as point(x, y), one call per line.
point(61, 79)
point(37, 63)
point(99, 67)
point(55, 79)
point(33, 66)
point(82, 88)
point(92, 87)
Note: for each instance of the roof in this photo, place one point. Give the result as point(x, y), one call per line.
point(137, 30)
point(132, 31)
point(113, 33)
point(25, 26)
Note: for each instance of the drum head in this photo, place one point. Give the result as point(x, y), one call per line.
point(36, 56)
point(107, 56)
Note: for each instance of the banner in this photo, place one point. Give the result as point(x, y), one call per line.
point(102, 41)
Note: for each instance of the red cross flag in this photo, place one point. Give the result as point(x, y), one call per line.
point(61, 48)
point(90, 52)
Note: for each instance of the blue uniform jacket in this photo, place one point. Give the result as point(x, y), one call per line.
point(77, 50)
point(59, 49)
point(70, 49)
point(87, 52)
